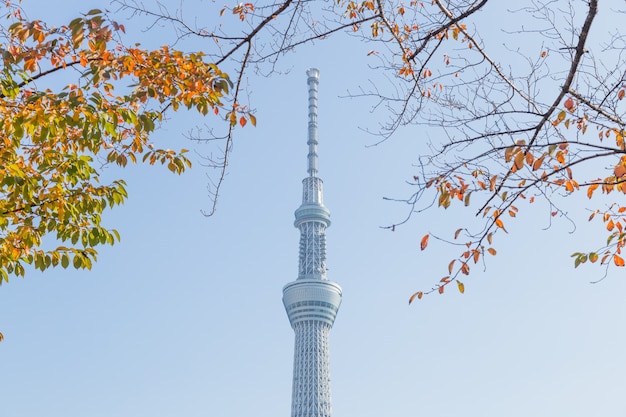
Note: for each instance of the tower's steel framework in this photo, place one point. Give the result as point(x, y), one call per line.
point(312, 301)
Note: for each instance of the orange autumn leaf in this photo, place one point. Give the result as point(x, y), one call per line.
point(492, 183)
point(417, 295)
point(529, 158)
point(519, 161)
point(610, 225)
point(537, 163)
point(591, 189)
point(424, 242)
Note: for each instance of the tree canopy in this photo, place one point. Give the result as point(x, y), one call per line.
point(537, 119)
point(57, 136)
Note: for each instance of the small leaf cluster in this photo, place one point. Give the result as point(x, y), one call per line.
point(537, 169)
point(412, 28)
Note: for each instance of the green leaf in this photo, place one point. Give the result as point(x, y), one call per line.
point(78, 261)
point(65, 260)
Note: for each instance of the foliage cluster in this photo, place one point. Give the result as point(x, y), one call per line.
point(56, 137)
point(538, 119)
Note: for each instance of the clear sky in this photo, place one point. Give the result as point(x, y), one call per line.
point(184, 316)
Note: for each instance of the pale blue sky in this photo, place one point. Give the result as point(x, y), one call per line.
point(184, 316)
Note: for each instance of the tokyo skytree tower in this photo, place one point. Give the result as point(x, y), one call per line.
point(312, 301)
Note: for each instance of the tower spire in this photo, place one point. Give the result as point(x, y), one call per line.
point(312, 301)
point(312, 218)
point(313, 81)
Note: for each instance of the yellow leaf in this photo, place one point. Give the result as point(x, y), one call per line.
point(444, 198)
point(461, 287)
point(467, 199)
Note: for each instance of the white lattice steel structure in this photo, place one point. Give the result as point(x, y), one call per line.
point(312, 301)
